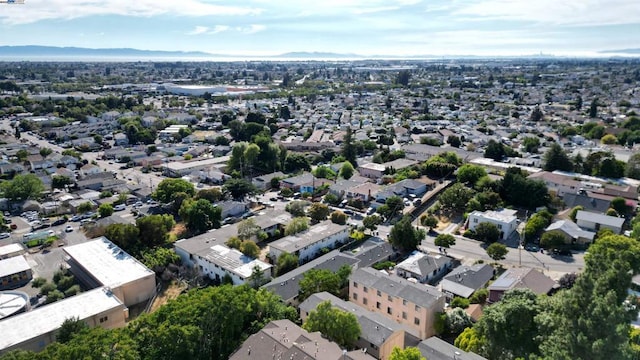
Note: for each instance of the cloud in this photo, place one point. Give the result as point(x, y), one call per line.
point(251, 29)
point(38, 10)
point(582, 12)
point(219, 28)
point(198, 30)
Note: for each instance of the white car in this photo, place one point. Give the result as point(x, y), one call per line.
point(69, 228)
point(120, 207)
point(4, 235)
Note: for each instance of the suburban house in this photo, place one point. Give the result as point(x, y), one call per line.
point(435, 348)
point(571, 232)
point(379, 334)
point(372, 170)
point(264, 182)
point(283, 339)
point(363, 191)
point(187, 249)
point(232, 208)
point(304, 183)
point(90, 169)
point(422, 267)
point(594, 222)
point(308, 244)
point(588, 200)
point(463, 281)
point(121, 139)
point(504, 219)
point(526, 278)
point(557, 183)
point(99, 262)
point(220, 261)
point(408, 303)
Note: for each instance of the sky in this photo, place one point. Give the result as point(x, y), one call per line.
point(363, 27)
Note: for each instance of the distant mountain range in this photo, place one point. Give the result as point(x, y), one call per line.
point(27, 52)
point(622, 51)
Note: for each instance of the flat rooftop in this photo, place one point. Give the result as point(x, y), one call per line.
point(12, 302)
point(13, 265)
point(107, 263)
point(45, 319)
point(315, 233)
point(10, 249)
point(182, 165)
point(235, 261)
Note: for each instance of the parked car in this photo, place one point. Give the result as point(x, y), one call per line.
point(4, 235)
point(120, 207)
point(76, 218)
point(59, 222)
point(69, 228)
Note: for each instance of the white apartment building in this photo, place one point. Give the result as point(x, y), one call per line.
point(308, 244)
point(504, 219)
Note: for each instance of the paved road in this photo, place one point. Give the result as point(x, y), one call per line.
point(468, 251)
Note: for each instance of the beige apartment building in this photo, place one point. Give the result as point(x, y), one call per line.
point(403, 301)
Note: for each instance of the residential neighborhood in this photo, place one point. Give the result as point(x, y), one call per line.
point(320, 210)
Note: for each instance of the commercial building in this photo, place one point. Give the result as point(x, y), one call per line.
point(100, 262)
point(308, 244)
point(14, 272)
point(33, 330)
point(403, 301)
point(182, 168)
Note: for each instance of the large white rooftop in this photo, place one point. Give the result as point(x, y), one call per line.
point(10, 249)
point(43, 320)
point(13, 265)
point(235, 261)
point(107, 263)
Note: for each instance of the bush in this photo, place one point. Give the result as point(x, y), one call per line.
point(459, 302)
point(65, 283)
point(38, 282)
point(54, 296)
point(74, 290)
point(479, 296)
point(384, 265)
point(47, 288)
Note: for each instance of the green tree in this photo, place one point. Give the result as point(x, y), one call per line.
point(458, 320)
point(552, 240)
point(429, 221)
point(470, 174)
point(324, 172)
point(105, 210)
point(556, 159)
point(85, 207)
point(632, 169)
point(44, 152)
point(469, 340)
point(200, 215)
point(487, 232)
point(508, 327)
point(456, 197)
point(167, 188)
point(409, 353)
point(296, 162)
point(338, 217)
point(59, 182)
point(348, 147)
point(395, 205)
point(319, 280)
point(239, 188)
point(454, 141)
point(445, 240)
point(250, 249)
point(318, 212)
point(154, 229)
point(516, 189)
point(619, 204)
point(123, 235)
point(347, 170)
point(497, 251)
point(494, 150)
point(286, 262)
point(22, 187)
point(531, 144)
point(213, 195)
point(247, 229)
point(296, 225)
point(404, 236)
point(70, 328)
point(371, 222)
point(337, 325)
point(593, 108)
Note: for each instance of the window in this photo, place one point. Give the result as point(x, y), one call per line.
point(416, 321)
point(404, 302)
point(475, 221)
point(355, 296)
point(417, 308)
point(500, 226)
point(378, 304)
point(365, 289)
point(364, 301)
point(104, 319)
point(389, 297)
point(379, 293)
point(389, 310)
point(355, 284)
point(404, 315)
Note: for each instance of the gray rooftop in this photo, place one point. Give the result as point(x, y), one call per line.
point(523, 278)
point(434, 348)
point(599, 218)
point(315, 234)
point(422, 264)
point(419, 294)
point(571, 229)
point(465, 280)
